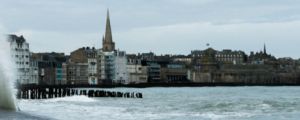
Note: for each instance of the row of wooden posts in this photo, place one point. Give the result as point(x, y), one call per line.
point(63, 92)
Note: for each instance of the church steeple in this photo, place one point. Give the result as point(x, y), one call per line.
point(108, 36)
point(265, 49)
point(107, 42)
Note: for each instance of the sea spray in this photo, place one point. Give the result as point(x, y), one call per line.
point(7, 75)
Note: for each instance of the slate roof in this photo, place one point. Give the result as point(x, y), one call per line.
point(12, 37)
point(89, 51)
point(182, 56)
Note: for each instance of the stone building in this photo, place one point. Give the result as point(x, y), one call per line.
point(261, 56)
point(85, 57)
point(134, 69)
point(182, 58)
point(147, 56)
point(164, 58)
point(107, 42)
point(77, 73)
point(225, 56)
point(249, 74)
point(174, 74)
point(65, 72)
point(101, 66)
point(52, 69)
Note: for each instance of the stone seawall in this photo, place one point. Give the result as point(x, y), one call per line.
point(245, 76)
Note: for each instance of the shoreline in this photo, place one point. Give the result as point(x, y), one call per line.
point(147, 85)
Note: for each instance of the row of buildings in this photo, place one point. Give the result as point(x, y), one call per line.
point(107, 65)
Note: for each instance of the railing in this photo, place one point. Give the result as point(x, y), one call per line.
point(154, 66)
point(154, 74)
point(154, 70)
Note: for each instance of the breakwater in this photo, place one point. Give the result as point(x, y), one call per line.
point(146, 85)
point(60, 91)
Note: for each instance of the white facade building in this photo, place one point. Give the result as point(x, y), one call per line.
point(134, 69)
point(121, 74)
point(92, 67)
point(20, 53)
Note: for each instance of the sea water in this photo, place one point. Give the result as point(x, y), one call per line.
point(180, 103)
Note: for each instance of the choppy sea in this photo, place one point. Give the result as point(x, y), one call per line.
point(179, 103)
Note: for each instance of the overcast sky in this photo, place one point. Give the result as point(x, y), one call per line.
point(160, 26)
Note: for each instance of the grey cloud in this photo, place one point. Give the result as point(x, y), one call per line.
point(177, 24)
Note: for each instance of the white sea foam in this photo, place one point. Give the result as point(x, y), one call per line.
point(7, 75)
point(80, 98)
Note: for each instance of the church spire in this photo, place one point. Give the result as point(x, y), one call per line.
point(265, 49)
point(107, 42)
point(108, 36)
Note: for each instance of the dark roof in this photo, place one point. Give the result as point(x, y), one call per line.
point(89, 51)
point(54, 59)
point(12, 37)
point(182, 56)
point(247, 67)
point(147, 53)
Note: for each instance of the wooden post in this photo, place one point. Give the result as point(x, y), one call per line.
point(55, 92)
point(39, 95)
point(27, 94)
point(59, 91)
point(73, 92)
point(43, 94)
point(36, 93)
point(68, 92)
point(19, 94)
point(64, 92)
point(97, 93)
point(23, 94)
point(50, 93)
point(32, 92)
point(84, 92)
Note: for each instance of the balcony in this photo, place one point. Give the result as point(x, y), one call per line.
point(153, 70)
point(154, 74)
point(92, 74)
point(154, 66)
point(109, 63)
